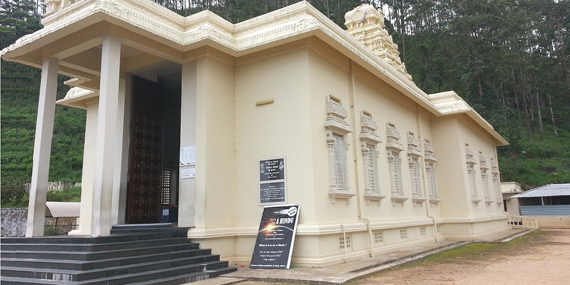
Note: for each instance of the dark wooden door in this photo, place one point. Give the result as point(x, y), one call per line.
point(145, 153)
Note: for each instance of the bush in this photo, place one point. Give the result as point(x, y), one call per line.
point(72, 194)
point(14, 196)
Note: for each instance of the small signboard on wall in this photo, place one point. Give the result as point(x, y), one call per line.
point(187, 162)
point(275, 238)
point(272, 186)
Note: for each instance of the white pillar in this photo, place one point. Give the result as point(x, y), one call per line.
point(122, 151)
point(88, 170)
point(187, 187)
point(106, 134)
point(42, 148)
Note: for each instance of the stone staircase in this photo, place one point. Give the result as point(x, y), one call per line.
point(147, 254)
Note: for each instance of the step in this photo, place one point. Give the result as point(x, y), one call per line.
point(187, 278)
point(147, 228)
point(176, 280)
point(117, 237)
point(92, 247)
point(87, 256)
point(117, 276)
point(133, 254)
point(93, 264)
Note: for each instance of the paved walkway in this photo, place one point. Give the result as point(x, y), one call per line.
point(346, 272)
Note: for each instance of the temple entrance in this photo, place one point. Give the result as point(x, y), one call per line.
point(152, 195)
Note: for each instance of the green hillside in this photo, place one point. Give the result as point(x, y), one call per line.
point(508, 59)
point(20, 88)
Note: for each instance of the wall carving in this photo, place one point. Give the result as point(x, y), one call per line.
point(368, 129)
point(336, 130)
point(496, 181)
point(471, 174)
point(485, 177)
point(414, 155)
point(394, 147)
point(430, 160)
point(368, 141)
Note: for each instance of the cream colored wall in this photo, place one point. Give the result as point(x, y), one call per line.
point(327, 78)
point(298, 79)
point(386, 105)
point(425, 129)
point(512, 204)
point(280, 129)
point(480, 141)
point(464, 219)
point(385, 109)
point(452, 175)
point(215, 163)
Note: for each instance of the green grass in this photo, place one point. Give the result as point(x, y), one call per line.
point(72, 194)
point(16, 197)
point(466, 251)
point(474, 251)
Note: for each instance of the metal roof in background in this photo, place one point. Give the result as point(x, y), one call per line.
point(62, 209)
point(549, 190)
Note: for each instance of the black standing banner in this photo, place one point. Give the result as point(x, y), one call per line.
point(275, 238)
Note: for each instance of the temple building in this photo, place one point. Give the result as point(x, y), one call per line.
point(185, 116)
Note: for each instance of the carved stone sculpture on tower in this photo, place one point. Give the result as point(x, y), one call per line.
point(366, 24)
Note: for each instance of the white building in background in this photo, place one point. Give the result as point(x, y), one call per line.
point(510, 189)
point(182, 111)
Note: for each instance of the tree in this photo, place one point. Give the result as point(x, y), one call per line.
point(18, 18)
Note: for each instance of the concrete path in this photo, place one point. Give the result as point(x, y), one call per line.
point(346, 272)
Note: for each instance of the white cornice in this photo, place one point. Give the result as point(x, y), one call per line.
point(78, 97)
point(449, 103)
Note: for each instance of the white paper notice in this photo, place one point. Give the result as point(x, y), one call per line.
point(186, 173)
point(188, 155)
